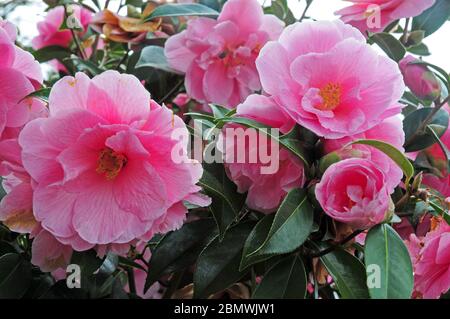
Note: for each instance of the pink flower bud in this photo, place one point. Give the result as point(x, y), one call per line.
point(420, 80)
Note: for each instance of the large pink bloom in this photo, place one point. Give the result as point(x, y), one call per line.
point(249, 176)
point(218, 57)
point(20, 75)
point(389, 131)
point(50, 33)
point(361, 13)
point(355, 191)
point(329, 80)
point(102, 163)
point(431, 258)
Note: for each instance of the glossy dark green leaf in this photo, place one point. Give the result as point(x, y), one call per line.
point(182, 9)
point(285, 280)
point(226, 201)
point(348, 273)
point(389, 44)
point(153, 56)
point(218, 264)
point(413, 122)
point(432, 18)
point(178, 249)
point(52, 52)
point(256, 239)
point(89, 262)
point(386, 255)
point(15, 276)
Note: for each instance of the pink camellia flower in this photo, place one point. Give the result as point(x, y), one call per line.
point(49, 254)
point(325, 76)
point(431, 259)
point(389, 131)
point(355, 191)
point(249, 175)
point(218, 57)
point(9, 28)
point(375, 15)
point(50, 33)
point(420, 80)
point(103, 166)
point(20, 75)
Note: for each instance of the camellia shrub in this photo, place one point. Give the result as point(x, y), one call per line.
point(221, 149)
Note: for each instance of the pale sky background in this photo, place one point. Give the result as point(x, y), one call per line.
point(438, 43)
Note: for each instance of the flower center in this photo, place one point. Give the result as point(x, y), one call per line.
point(331, 96)
point(110, 163)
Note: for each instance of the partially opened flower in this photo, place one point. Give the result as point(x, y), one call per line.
point(376, 15)
point(389, 131)
point(355, 191)
point(218, 56)
point(267, 176)
point(325, 76)
point(103, 166)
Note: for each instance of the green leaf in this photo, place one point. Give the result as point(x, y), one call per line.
point(285, 280)
point(185, 9)
point(291, 226)
point(420, 49)
point(178, 249)
point(290, 144)
point(52, 52)
point(89, 262)
point(218, 264)
point(398, 157)
point(385, 249)
point(15, 276)
point(219, 111)
point(226, 201)
point(153, 56)
point(348, 273)
point(432, 18)
point(413, 122)
point(389, 44)
point(213, 4)
point(256, 239)
point(86, 65)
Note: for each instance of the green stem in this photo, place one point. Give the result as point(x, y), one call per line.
point(308, 4)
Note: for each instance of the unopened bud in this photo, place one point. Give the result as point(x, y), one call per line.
point(420, 80)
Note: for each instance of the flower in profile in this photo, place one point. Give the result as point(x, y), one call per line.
point(325, 76)
point(102, 164)
point(50, 33)
point(254, 176)
point(355, 191)
point(376, 15)
point(218, 56)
